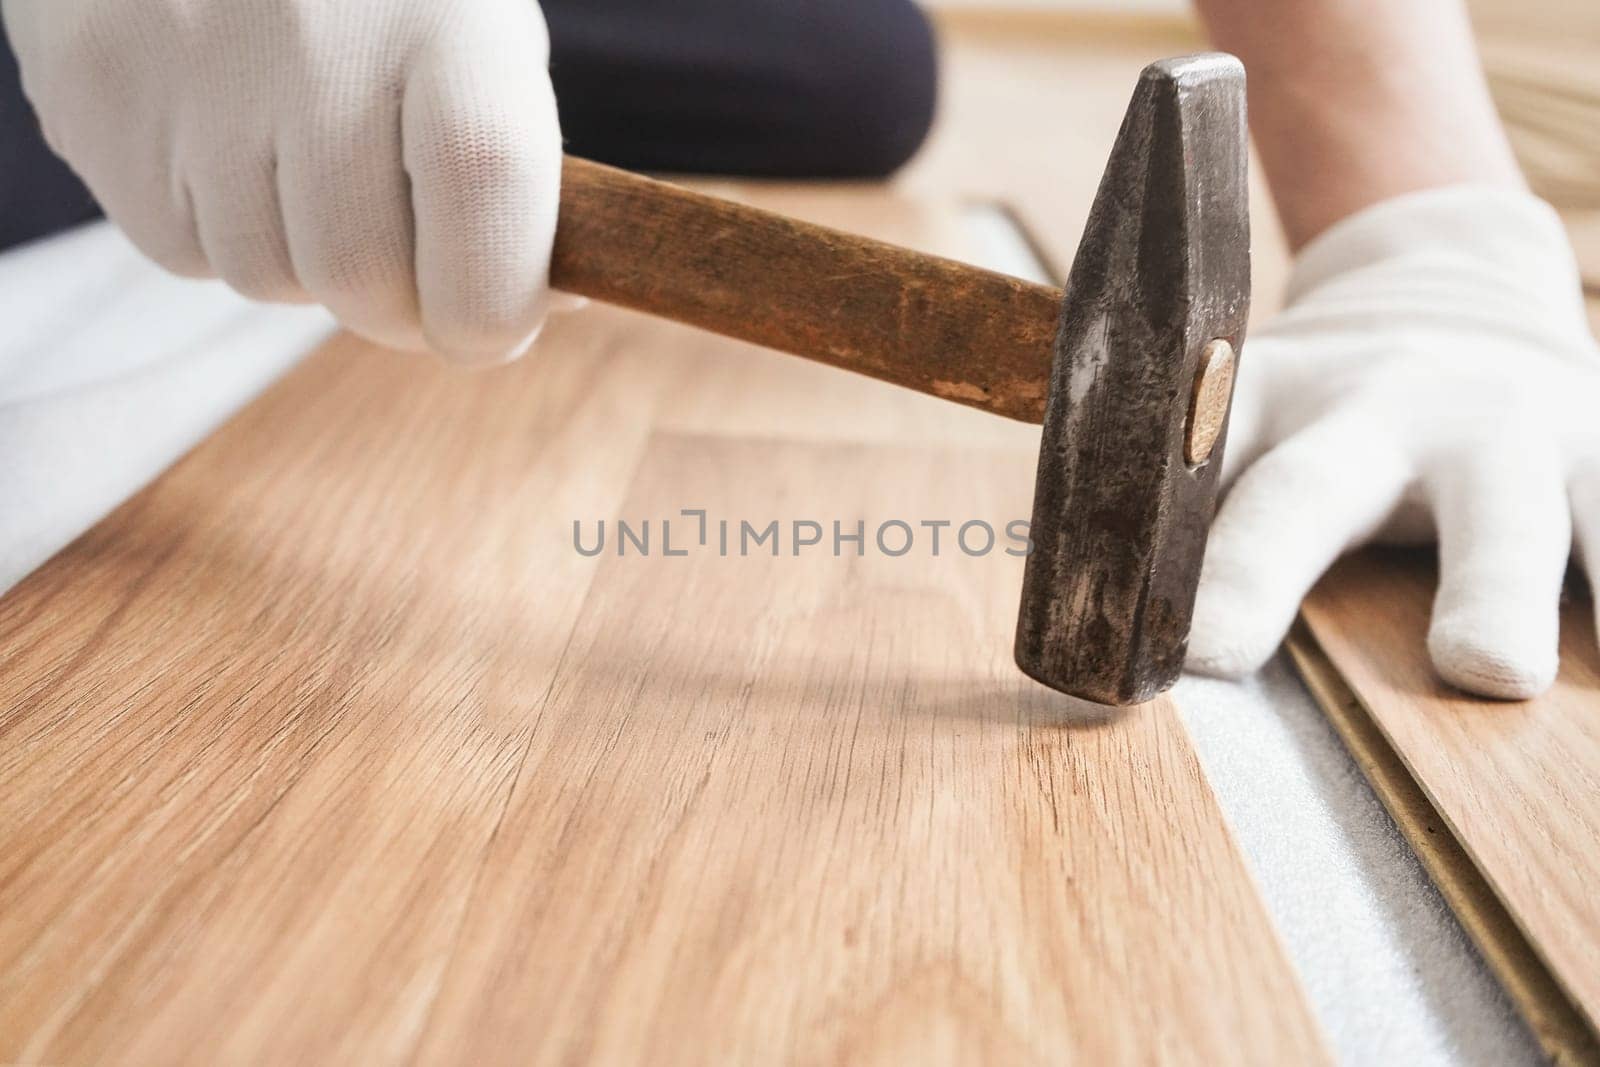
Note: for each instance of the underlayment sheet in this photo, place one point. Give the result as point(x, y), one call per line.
point(1389, 972)
point(109, 371)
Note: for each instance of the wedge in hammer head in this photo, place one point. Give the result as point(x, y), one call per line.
point(1136, 416)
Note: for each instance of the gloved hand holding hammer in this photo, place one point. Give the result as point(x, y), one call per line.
point(399, 161)
point(1433, 374)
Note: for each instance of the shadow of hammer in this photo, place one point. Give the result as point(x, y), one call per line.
point(1130, 368)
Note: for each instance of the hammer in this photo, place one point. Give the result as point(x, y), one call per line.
point(1130, 368)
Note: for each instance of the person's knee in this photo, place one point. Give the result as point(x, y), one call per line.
point(884, 98)
point(766, 88)
point(39, 194)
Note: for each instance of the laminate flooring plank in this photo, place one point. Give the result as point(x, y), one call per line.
point(257, 727)
point(804, 809)
point(1517, 784)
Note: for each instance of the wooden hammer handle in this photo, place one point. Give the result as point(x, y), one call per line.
point(931, 324)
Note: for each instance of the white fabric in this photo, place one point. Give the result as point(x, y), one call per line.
point(109, 371)
point(1434, 371)
point(398, 161)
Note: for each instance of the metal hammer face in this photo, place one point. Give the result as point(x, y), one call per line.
point(1136, 415)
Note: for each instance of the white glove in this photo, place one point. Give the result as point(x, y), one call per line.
point(1433, 375)
point(398, 161)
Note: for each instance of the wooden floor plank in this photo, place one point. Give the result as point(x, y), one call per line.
point(258, 725)
point(310, 745)
point(1517, 784)
point(826, 812)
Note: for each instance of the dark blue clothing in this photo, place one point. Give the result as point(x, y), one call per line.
point(38, 193)
point(767, 88)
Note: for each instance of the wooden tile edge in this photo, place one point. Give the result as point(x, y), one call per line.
point(1556, 1022)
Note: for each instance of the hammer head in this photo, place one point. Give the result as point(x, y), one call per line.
point(1126, 487)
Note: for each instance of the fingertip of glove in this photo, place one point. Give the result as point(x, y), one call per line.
point(1224, 642)
point(1485, 668)
point(494, 338)
point(1235, 627)
point(565, 303)
point(1231, 661)
point(486, 352)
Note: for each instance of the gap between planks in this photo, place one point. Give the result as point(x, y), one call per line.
point(1517, 784)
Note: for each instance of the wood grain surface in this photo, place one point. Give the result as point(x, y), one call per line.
point(1517, 784)
point(329, 747)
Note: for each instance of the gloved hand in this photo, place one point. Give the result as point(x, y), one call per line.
point(1433, 375)
point(398, 161)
